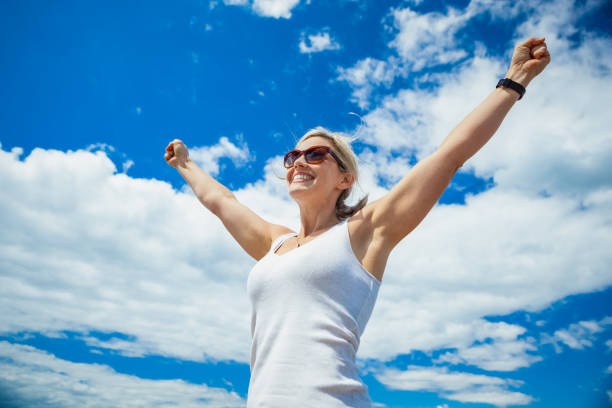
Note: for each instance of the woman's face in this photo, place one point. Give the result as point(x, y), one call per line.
point(315, 180)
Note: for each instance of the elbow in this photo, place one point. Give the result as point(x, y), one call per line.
point(458, 165)
point(452, 158)
point(457, 160)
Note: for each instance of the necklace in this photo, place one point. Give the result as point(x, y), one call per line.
point(297, 237)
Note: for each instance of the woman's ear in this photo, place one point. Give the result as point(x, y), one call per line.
point(346, 181)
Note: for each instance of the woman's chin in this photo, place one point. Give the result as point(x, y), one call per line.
point(299, 190)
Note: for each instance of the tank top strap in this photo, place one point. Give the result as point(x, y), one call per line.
point(279, 241)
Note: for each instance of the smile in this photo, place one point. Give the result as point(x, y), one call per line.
point(301, 177)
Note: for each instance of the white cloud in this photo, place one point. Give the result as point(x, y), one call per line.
point(425, 40)
point(582, 334)
point(503, 351)
point(274, 8)
point(493, 396)
point(368, 74)
point(90, 249)
point(421, 41)
point(432, 39)
point(464, 387)
point(125, 166)
point(208, 157)
point(545, 143)
point(267, 8)
point(123, 347)
point(500, 253)
point(30, 377)
point(100, 146)
point(312, 43)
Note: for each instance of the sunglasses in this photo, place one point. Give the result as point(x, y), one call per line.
point(312, 155)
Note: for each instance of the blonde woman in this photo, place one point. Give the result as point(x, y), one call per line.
point(312, 291)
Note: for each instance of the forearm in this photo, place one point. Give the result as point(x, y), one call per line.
point(479, 126)
point(208, 190)
point(528, 60)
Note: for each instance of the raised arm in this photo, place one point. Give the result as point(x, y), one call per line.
point(396, 214)
point(253, 233)
point(528, 60)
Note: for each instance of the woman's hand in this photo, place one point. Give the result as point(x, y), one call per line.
point(176, 153)
point(528, 60)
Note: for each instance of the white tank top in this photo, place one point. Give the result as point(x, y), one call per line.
point(310, 307)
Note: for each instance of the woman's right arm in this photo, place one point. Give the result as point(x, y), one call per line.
point(253, 233)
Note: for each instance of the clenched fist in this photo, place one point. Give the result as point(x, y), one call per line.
point(528, 60)
point(176, 153)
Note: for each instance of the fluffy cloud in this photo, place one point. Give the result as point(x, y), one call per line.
point(30, 377)
point(267, 8)
point(312, 43)
point(457, 386)
point(208, 157)
point(499, 253)
point(578, 336)
point(503, 351)
point(425, 40)
point(89, 248)
point(421, 41)
point(545, 144)
point(368, 74)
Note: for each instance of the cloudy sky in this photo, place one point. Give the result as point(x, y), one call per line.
point(117, 288)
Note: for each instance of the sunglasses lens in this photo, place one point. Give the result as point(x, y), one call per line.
point(315, 155)
point(291, 157)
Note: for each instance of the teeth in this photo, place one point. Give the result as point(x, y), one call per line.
point(302, 177)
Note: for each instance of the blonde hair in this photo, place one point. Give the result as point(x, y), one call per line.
point(342, 147)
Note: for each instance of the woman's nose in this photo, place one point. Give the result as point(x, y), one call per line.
point(300, 161)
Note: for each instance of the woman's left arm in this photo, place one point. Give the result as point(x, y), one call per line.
point(397, 213)
point(528, 60)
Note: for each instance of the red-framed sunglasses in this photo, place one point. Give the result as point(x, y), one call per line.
point(312, 155)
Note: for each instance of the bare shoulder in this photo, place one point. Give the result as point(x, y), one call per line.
point(276, 230)
point(362, 226)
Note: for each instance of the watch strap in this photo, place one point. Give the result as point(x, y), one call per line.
point(508, 83)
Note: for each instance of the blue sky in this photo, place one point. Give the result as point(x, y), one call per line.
point(119, 289)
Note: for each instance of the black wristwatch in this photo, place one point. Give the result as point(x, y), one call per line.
point(508, 83)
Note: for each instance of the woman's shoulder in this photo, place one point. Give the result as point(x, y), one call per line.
point(362, 219)
point(277, 231)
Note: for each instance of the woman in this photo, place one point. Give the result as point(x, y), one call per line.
point(312, 292)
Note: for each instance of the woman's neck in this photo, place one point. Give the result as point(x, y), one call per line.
point(316, 219)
